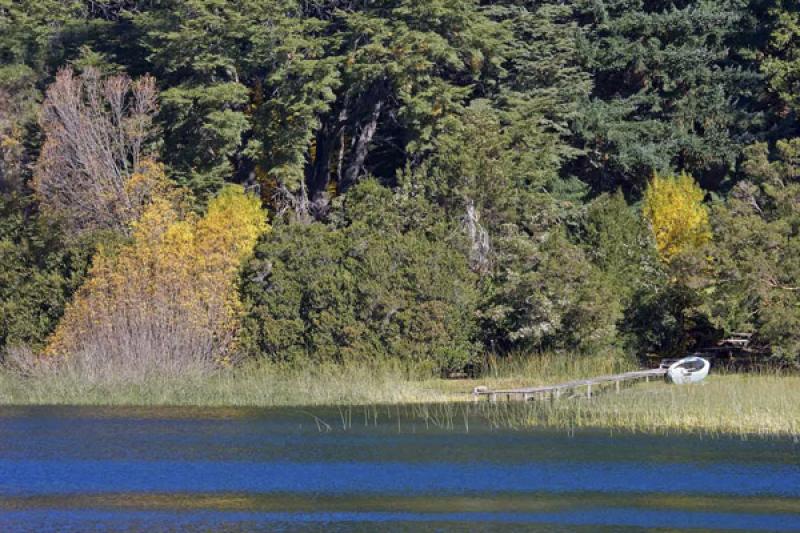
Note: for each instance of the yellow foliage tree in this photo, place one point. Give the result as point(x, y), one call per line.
point(674, 207)
point(167, 302)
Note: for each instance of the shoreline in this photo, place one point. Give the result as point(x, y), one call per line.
point(739, 404)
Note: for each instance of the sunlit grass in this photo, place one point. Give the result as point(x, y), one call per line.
point(257, 384)
point(762, 403)
point(273, 384)
point(745, 404)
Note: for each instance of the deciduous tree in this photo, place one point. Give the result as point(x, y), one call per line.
point(97, 132)
point(673, 205)
point(167, 302)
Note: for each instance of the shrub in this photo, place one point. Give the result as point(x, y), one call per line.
point(39, 272)
point(394, 286)
point(549, 296)
point(167, 302)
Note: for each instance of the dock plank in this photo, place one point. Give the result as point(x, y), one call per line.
point(527, 392)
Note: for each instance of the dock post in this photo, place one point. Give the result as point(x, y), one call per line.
point(589, 390)
point(494, 397)
point(616, 384)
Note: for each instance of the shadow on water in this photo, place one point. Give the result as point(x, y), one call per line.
point(351, 468)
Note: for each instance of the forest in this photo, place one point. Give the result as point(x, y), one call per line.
point(189, 184)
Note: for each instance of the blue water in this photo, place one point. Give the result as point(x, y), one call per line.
point(78, 469)
point(65, 476)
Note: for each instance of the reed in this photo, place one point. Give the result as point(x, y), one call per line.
point(264, 383)
point(763, 403)
point(255, 384)
point(760, 403)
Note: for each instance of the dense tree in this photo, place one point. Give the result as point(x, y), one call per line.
point(388, 280)
point(547, 295)
point(201, 52)
point(39, 272)
point(544, 84)
point(539, 290)
point(782, 61)
point(757, 252)
point(670, 91)
point(618, 240)
point(36, 36)
point(445, 177)
point(379, 81)
point(17, 114)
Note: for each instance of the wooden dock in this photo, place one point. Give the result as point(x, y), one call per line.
point(555, 391)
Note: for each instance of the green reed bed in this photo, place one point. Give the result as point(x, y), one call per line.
point(744, 404)
point(265, 384)
point(761, 403)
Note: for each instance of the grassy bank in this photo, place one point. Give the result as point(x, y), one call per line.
point(270, 384)
point(766, 403)
point(744, 404)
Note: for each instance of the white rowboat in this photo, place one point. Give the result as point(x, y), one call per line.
point(688, 370)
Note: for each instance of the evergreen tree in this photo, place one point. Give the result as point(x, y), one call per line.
point(386, 279)
point(200, 51)
point(39, 271)
point(669, 91)
point(385, 75)
point(544, 83)
point(37, 36)
point(757, 252)
point(623, 247)
point(782, 62)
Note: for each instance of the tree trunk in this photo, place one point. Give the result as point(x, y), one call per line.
point(319, 172)
point(361, 149)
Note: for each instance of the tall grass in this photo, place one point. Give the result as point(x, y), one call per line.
point(763, 403)
point(267, 384)
point(549, 367)
point(255, 384)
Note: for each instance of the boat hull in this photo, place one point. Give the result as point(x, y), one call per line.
point(688, 370)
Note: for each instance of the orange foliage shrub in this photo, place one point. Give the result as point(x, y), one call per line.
point(167, 302)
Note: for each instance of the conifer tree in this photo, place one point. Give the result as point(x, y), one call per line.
point(384, 76)
point(782, 63)
point(544, 83)
point(757, 252)
point(669, 91)
point(201, 52)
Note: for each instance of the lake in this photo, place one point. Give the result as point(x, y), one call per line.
point(368, 468)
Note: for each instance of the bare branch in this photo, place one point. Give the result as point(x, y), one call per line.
point(97, 131)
